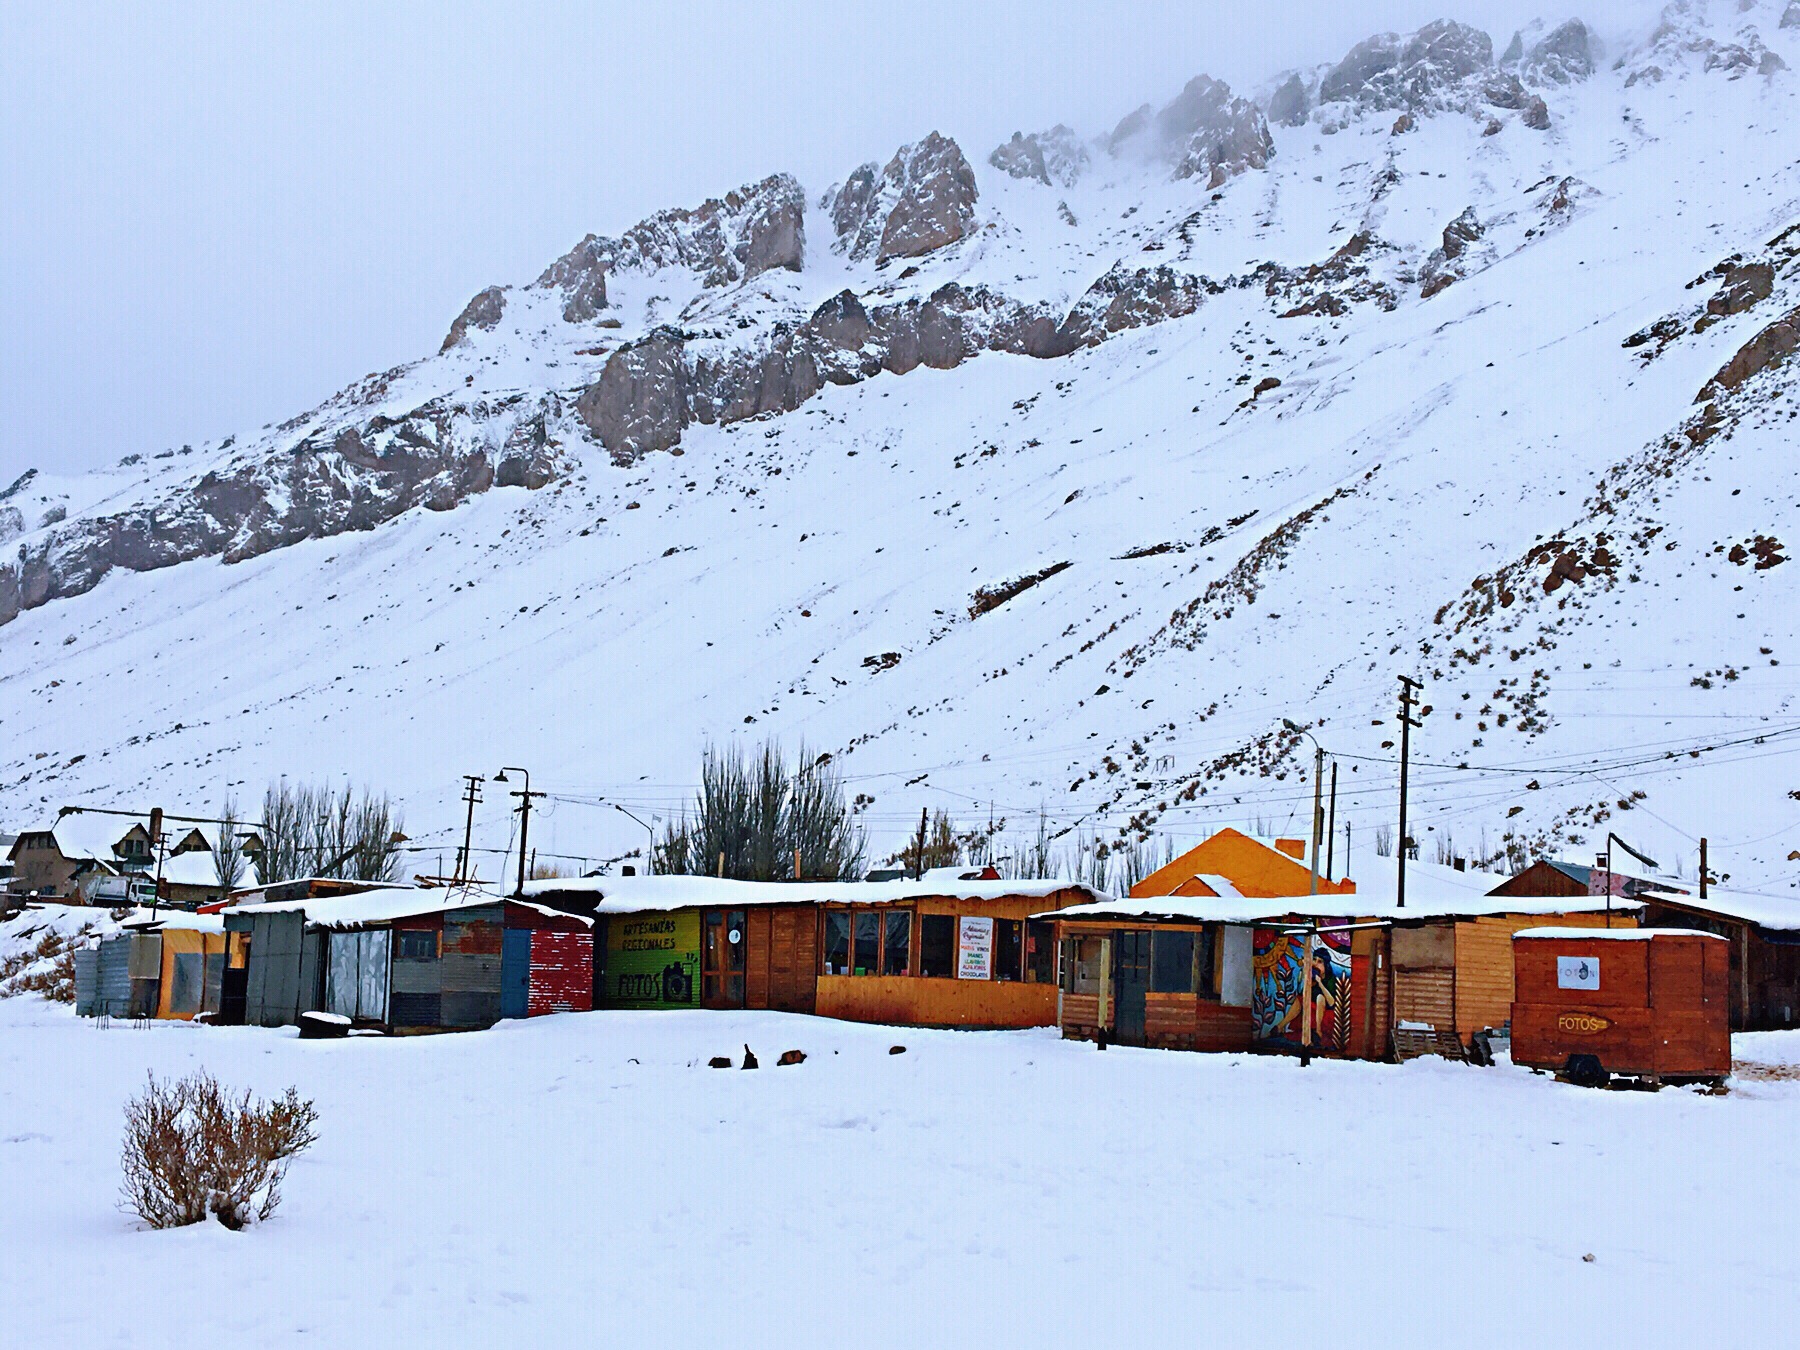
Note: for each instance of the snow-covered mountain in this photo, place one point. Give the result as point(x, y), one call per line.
point(1050, 479)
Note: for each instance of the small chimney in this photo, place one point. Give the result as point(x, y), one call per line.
point(1460, 864)
point(628, 871)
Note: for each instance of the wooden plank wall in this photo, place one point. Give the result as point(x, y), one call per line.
point(1484, 963)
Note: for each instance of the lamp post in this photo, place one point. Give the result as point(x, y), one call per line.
point(650, 857)
point(1612, 839)
point(1318, 816)
point(524, 797)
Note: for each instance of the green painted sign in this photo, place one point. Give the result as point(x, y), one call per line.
point(653, 960)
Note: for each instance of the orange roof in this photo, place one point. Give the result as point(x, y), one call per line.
point(1258, 871)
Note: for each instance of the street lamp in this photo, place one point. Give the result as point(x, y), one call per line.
point(1318, 816)
point(650, 857)
point(524, 797)
point(1612, 839)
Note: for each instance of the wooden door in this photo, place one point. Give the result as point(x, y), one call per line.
point(1131, 983)
point(722, 952)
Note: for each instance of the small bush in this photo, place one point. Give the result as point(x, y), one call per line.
point(191, 1149)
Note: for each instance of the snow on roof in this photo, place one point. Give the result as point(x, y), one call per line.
point(384, 904)
point(1765, 911)
point(1432, 891)
point(84, 834)
point(1613, 934)
point(198, 868)
point(637, 895)
point(164, 918)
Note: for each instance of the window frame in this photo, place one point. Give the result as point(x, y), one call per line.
point(951, 920)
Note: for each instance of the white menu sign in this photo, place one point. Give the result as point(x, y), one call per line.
point(1577, 972)
point(975, 949)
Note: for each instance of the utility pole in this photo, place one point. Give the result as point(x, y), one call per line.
point(1703, 876)
point(1318, 819)
point(157, 839)
point(471, 795)
point(1331, 829)
point(1408, 701)
point(919, 858)
point(525, 795)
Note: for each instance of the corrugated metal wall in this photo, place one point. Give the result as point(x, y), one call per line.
point(87, 980)
point(272, 993)
point(357, 975)
point(417, 982)
point(113, 982)
point(470, 967)
point(562, 972)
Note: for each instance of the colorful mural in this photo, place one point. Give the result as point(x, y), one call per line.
point(1279, 965)
point(653, 960)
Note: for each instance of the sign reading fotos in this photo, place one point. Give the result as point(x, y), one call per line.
point(1577, 972)
point(652, 961)
point(974, 949)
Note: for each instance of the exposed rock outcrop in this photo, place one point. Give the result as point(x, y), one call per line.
point(483, 312)
point(1204, 132)
point(353, 478)
point(1790, 17)
point(1289, 105)
point(923, 200)
point(1445, 265)
point(1418, 72)
point(581, 275)
point(1564, 55)
point(758, 228)
point(1772, 346)
point(1053, 157)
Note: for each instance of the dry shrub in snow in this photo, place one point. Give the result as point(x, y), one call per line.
point(47, 968)
point(191, 1149)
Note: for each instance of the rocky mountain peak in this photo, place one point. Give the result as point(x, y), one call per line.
point(581, 275)
point(1563, 56)
point(1202, 132)
point(1053, 157)
point(1289, 104)
point(483, 311)
point(923, 200)
point(1385, 71)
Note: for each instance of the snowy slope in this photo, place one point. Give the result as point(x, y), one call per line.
point(1397, 503)
point(547, 1178)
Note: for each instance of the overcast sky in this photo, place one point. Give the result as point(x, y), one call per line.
point(212, 217)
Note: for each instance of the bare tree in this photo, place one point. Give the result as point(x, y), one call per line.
point(752, 816)
point(228, 857)
point(321, 831)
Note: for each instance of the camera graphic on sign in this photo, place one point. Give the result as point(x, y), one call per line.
point(678, 985)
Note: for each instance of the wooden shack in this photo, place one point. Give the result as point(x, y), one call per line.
point(401, 959)
point(1646, 1003)
point(951, 949)
point(1764, 934)
point(1209, 968)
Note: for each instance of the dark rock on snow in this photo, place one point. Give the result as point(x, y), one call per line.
point(923, 200)
point(1770, 347)
point(1053, 157)
point(1204, 132)
point(581, 275)
point(482, 312)
point(1563, 56)
point(1288, 104)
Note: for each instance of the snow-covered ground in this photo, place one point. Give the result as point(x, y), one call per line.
point(586, 1179)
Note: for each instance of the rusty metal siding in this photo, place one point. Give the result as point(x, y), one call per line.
point(470, 967)
point(562, 972)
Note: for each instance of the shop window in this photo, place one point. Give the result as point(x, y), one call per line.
point(1040, 952)
point(415, 944)
point(1081, 965)
point(1009, 949)
point(837, 942)
point(937, 945)
point(868, 943)
point(896, 945)
point(1172, 963)
point(1206, 966)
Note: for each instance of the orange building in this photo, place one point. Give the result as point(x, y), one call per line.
point(1250, 868)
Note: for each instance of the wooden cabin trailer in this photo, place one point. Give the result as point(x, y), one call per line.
point(1646, 1003)
point(1764, 938)
point(949, 950)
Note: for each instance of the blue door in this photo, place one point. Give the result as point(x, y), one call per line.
point(515, 972)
